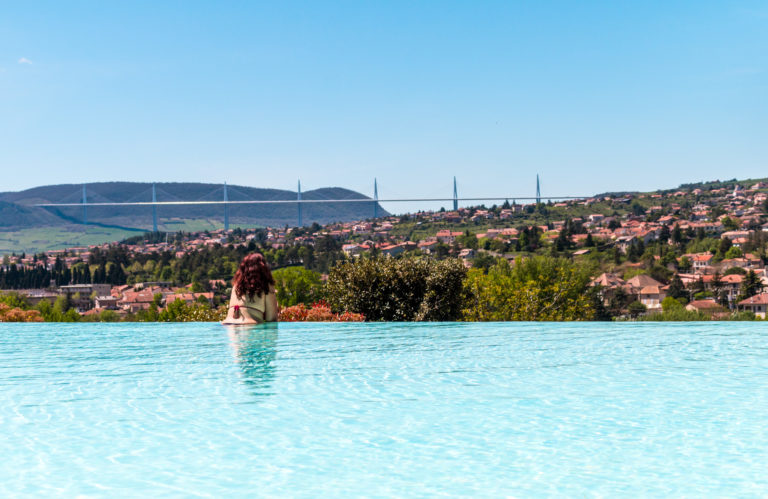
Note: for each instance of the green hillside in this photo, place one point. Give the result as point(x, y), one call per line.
point(17, 211)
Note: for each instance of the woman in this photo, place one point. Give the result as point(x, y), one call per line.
point(253, 299)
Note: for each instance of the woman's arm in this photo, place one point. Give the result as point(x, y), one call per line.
point(230, 319)
point(270, 314)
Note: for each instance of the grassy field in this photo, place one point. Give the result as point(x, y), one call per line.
point(66, 236)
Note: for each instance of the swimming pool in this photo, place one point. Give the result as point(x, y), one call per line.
point(384, 409)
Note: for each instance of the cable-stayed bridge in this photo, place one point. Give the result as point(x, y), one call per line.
point(221, 196)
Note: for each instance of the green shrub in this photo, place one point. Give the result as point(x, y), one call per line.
point(636, 308)
point(109, 316)
point(675, 314)
point(14, 300)
point(534, 289)
point(733, 252)
point(295, 285)
point(743, 315)
point(668, 304)
point(180, 311)
point(404, 289)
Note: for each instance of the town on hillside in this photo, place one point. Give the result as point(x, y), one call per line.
point(703, 244)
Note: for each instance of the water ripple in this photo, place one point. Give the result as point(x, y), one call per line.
point(394, 409)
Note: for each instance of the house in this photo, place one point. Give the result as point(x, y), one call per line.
point(624, 242)
point(667, 219)
point(730, 263)
point(708, 306)
point(467, 253)
point(700, 261)
point(481, 215)
point(446, 236)
point(641, 281)
point(86, 289)
point(596, 218)
point(452, 216)
point(736, 234)
point(133, 301)
point(392, 249)
point(117, 291)
point(105, 302)
point(756, 304)
point(35, 296)
point(608, 281)
point(609, 286)
point(428, 246)
point(730, 284)
point(509, 232)
point(352, 249)
point(651, 297)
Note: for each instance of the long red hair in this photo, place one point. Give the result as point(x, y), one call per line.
point(253, 277)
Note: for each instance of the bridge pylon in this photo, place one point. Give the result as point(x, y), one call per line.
point(298, 198)
point(375, 199)
point(455, 196)
point(154, 208)
point(538, 190)
point(226, 208)
point(85, 206)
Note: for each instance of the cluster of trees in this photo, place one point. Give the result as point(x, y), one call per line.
point(417, 288)
point(116, 265)
point(422, 289)
point(15, 314)
point(297, 285)
point(533, 289)
point(61, 310)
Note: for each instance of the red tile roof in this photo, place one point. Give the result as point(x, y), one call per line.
point(761, 299)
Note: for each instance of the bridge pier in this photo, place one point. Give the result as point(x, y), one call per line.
point(538, 190)
point(375, 199)
point(85, 206)
point(226, 208)
point(154, 208)
point(298, 198)
point(455, 196)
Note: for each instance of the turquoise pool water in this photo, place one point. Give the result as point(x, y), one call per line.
point(384, 410)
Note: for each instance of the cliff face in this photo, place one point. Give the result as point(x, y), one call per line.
point(17, 210)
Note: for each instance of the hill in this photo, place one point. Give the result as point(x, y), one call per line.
point(18, 213)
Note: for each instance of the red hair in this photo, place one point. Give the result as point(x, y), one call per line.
point(253, 277)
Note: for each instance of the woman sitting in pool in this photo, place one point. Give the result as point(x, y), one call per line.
point(253, 299)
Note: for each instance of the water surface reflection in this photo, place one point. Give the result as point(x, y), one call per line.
point(255, 349)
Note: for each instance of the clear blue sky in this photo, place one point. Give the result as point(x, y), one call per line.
point(594, 96)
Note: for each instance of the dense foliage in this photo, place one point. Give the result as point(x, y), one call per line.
point(297, 285)
point(317, 312)
point(403, 289)
point(15, 314)
point(116, 265)
point(534, 289)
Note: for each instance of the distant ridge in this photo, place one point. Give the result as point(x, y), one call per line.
point(17, 210)
point(704, 185)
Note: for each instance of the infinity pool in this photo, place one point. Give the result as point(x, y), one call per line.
point(384, 409)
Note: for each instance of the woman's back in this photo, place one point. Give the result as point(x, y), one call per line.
point(252, 309)
point(253, 298)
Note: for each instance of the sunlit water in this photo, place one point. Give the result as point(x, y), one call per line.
point(384, 410)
